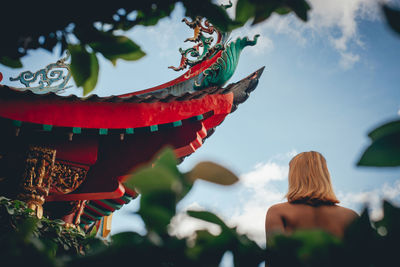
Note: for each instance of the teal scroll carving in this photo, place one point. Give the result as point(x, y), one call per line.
point(47, 77)
point(222, 70)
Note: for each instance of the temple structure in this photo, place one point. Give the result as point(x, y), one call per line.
point(68, 156)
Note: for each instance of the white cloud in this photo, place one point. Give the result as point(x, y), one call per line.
point(259, 188)
point(342, 16)
point(263, 174)
point(232, 10)
point(336, 21)
point(183, 225)
point(262, 193)
point(372, 199)
point(348, 60)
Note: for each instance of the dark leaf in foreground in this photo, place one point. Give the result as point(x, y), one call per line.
point(212, 172)
point(393, 17)
point(10, 62)
point(118, 47)
point(384, 150)
point(84, 67)
point(262, 10)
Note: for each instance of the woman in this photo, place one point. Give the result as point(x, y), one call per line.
point(311, 200)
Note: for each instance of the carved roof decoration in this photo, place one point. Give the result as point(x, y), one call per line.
point(53, 78)
point(92, 135)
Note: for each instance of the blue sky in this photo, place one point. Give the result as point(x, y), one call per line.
point(327, 83)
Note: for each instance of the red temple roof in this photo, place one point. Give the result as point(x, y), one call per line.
point(103, 139)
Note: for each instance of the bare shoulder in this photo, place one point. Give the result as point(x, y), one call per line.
point(278, 208)
point(348, 212)
point(273, 219)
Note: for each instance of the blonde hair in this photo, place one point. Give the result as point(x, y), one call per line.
point(309, 180)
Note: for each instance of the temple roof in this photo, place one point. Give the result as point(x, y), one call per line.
point(97, 142)
point(104, 139)
point(241, 90)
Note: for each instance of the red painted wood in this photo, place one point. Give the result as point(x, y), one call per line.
point(65, 113)
point(80, 151)
point(111, 193)
point(103, 205)
point(89, 218)
point(193, 145)
point(93, 211)
point(119, 201)
point(118, 158)
point(131, 192)
point(110, 158)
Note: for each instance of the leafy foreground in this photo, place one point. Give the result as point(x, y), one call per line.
point(25, 239)
point(161, 186)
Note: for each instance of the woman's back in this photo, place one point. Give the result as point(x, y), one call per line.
point(288, 217)
point(311, 200)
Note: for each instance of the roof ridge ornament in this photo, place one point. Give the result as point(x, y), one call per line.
point(222, 70)
point(201, 41)
point(48, 76)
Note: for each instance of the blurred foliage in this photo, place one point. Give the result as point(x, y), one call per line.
point(260, 10)
point(384, 150)
point(161, 186)
point(89, 30)
point(392, 17)
point(24, 237)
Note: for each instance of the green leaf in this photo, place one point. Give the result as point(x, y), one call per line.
point(300, 7)
point(383, 152)
point(209, 249)
point(314, 240)
point(262, 10)
point(208, 217)
point(216, 14)
point(384, 130)
point(118, 47)
point(156, 218)
point(283, 10)
point(244, 10)
point(125, 239)
point(391, 219)
point(27, 227)
point(167, 159)
point(148, 19)
point(392, 17)
point(360, 230)
point(151, 180)
point(11, 62)
point(304, 248)
point(157, 210)
point(212, 172)
point(84, 68)
point(161, 175)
